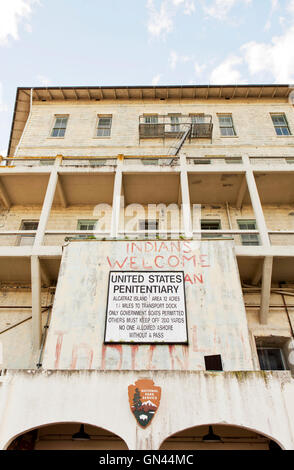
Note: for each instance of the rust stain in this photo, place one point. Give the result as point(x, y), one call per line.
point(134, 350)
point(58, 348)
point(118, 347)
point(171, 353)
point(75, 350)
point(150, 357)
point(184, 361)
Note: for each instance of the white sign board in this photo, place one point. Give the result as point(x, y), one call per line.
point(146, 307)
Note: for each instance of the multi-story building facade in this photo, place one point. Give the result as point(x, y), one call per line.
point(195, 179)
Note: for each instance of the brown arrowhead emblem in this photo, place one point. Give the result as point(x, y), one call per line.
point(144, 398)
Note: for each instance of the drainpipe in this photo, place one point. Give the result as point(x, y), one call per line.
point(26, 124)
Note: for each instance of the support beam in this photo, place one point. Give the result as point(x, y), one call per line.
point(266, 289)
point(258, 274)
point(116, 201)
point(256, 204)
point(46, 280)
point(186, 205)
point(241, 193)
point(4, 196)
point(36, 303)
point(61, 193)
point(47, 204)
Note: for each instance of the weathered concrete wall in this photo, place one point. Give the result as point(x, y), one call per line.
point(215, 310)
point(260, 401)
point(251, 118)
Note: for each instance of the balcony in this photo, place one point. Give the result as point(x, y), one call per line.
point(163, 126)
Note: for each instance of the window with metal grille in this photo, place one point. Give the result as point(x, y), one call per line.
point(104, 126)
point(28, 240)
point(210, 225)
point(226, 125)
point(213, 362)
point(271, 358)
point(59, 127)
point(198, 119)
point(87, 225)
point(152, 119)
point(248, 239)
point(175, 123)
point(280, 123)
point(148, 224)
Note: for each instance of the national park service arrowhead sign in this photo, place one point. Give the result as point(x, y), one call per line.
point(144, 398)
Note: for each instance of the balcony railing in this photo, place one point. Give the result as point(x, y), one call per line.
point(165, 128)
point(60, 237)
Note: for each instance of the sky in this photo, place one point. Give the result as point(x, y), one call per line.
point(141, 42)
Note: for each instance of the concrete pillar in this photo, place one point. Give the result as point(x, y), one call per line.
point(266, 289)
point(116, 201)
point(256, 204)
point(186, 206)
point(36, 303)
point(47, 204)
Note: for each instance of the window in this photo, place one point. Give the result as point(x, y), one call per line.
point(148, 224)
point(151, 119)
point(248, 239)
point(210, 225)
point(175, 123)
point(28, 240)
point(213, 362)
point(280, 124)
point(198, 119)
point(271, 352)
point(271, 358)
point(59, 126)
point(104, 126)
point(87, 225)
point(226, 125)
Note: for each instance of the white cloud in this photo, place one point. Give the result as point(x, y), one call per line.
point(274, 6)
point(227, 73)
point(219, 9)
point(175, 58)
point(160, 21)
point(275, 59)
point(156, 79)
point(12, 13)
point(199, 69)
point(161, 18)
point(271, 61)
point(44, 81)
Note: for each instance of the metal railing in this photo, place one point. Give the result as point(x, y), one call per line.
point(164, 127)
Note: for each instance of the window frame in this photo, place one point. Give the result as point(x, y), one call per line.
point(103, 116)
point(148, 229)
point(276, 348)
point(150, 116)
point(59, 116)
point(233, 127)
point(281, 126)
point(29, 236)
point(249, 242)
point(212, 221)
point(86, 222)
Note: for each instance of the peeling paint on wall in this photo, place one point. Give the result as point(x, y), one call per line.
point(215, 309)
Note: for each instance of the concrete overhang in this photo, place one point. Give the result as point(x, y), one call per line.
point(217, 188)
point(94, 93)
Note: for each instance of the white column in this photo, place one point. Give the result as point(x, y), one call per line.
point(256, 204)
point(36, 303)
point(266, 289)
point(47, 204)
point(186, 206)
point(116, 200)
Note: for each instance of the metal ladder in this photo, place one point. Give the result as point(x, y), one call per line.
point(180, 140)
